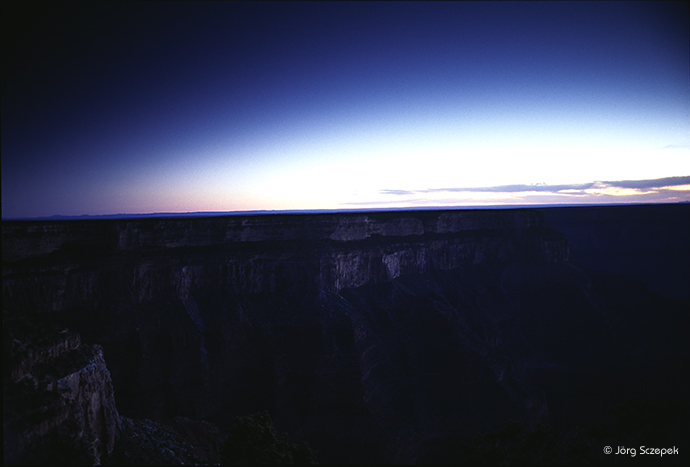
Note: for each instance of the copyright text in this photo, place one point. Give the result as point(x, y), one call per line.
point(643, 450)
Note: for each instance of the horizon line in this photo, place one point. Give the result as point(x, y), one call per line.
point(201, 214)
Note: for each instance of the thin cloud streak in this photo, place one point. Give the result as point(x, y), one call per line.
point(571, 189)
point(657, 183)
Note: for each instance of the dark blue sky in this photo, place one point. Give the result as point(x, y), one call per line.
point(149, 107)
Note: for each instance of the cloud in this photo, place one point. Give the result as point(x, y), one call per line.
point(656, 183)
point(515, 188)
point(568, 189)
point(397, 192)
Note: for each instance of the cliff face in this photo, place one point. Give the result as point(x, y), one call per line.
point(161, 259)
point(58, 396)
point(375, 337)
point(36, 238)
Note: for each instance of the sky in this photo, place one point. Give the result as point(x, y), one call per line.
point(146, 107)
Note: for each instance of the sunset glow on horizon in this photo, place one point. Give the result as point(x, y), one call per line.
point(186, 107)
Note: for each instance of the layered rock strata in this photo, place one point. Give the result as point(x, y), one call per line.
point(55, 266)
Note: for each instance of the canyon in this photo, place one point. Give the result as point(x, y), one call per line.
point(377, 337)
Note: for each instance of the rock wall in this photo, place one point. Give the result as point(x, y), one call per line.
point(23, 239)
point(54, 266)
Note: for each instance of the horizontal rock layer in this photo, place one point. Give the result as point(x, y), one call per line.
point(34, 238)
point(52, 266)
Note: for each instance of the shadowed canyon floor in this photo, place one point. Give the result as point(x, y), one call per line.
point(376, 337)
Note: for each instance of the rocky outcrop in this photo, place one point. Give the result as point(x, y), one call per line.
point(179, 441)
point(59, 405)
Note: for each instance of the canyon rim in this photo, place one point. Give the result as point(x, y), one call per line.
point(377, 337)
